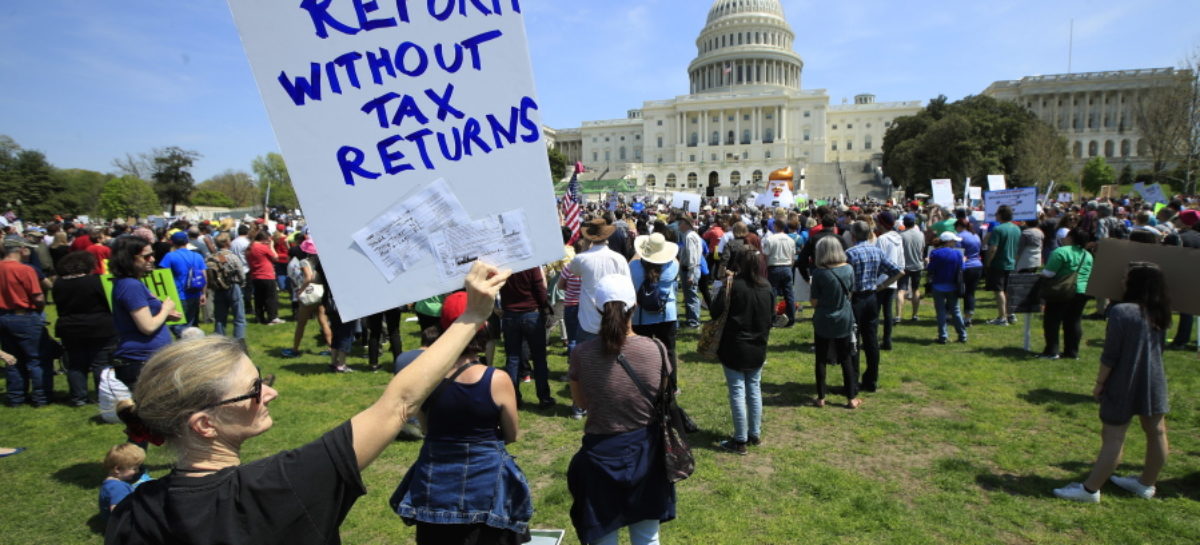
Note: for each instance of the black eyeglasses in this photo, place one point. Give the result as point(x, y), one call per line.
point(255, 394)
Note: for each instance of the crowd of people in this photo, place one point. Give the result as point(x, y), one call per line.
point(628, 282)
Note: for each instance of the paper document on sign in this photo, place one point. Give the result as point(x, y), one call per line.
point(397, 239)
point(499, 240)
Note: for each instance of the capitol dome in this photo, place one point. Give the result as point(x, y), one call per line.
point(745, 43)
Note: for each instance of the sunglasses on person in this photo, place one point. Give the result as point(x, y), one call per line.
point(255, 394)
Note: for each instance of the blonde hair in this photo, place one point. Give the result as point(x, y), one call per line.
point(124, 455)
point(60, 239)
point(181, 379)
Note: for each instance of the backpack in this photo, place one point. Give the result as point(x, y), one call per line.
point(649, 298)
point(223, 272)
point(196, 280)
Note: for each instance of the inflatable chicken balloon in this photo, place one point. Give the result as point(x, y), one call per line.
point(779, 189)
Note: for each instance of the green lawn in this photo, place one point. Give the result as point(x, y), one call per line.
point(962, 444)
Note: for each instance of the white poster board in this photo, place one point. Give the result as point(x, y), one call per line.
point(412, 134)
point(1152, 193)
point(976, 193)
point(996, 182)
point(943, 193)
point(1022, 200)
point(686, 201)
point(1065, 197)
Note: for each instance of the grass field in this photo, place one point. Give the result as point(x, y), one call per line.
point(962, 444)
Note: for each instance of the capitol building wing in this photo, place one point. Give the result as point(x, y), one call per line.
point(745, 116)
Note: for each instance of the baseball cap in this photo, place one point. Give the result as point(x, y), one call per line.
point(452, 307)
point(615, 287)
point(949, 236)
point(179, 236)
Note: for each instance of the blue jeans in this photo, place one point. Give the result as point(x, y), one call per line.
point(781, 282)
point(21, 336)
point(745, 401)
point(691, 297)
point(946, 303)
point(571, 319)
point(642, 532)
point(225, 301)
point(528, 328)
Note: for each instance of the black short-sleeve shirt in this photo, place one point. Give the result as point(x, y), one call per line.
point(295, 497)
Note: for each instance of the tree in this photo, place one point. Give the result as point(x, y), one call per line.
point(973, 137)
point(273, 173)
point(235, 184)
point(140, 166)
point(208, 197)
point(82, 191)
point(127, 197)
point(29, 184)
point(172, 179)
point(1161, 114)
point(1041, 157)
point(558, 164)
point(1126, 175)
point(1097, 172)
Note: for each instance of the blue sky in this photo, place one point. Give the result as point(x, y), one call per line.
point(88, 81)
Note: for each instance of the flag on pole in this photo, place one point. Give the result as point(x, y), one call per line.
point(728, 69)
point(570, 211)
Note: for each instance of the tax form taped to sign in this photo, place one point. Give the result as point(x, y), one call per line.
point(406, 126)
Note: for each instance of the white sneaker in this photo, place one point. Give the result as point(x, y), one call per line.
point(1076, 492)
point(1133, 485)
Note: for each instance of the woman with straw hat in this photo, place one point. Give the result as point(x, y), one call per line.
point(655, 274)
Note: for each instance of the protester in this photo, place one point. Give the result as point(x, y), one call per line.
point(377, 326)
point(261, 259)
point(21, 302)
point(743, 347)
point(226, 278)
point(891, 243)
point(833, 318)
point(1070, 258)
point(187, 268)
point(945, 269)
point(138, 315)
point(1131, 381)
point(870, 266)
point(525, 305)
point(1188, 225)
point(465, 487)
point(1001, 260)
point(780, 252)
point(690, 255)
point(972, 267)
point(206, 398)
point(617, 478)
point(570, 285)
point(655, 276)
point(84, 324)
point(913, 241)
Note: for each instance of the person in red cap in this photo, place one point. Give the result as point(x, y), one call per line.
point(1188, 224)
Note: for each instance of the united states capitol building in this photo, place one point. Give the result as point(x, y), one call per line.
point(748, 114)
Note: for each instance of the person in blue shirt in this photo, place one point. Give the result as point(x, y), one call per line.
point(187, 266)
point(657, 268)
point(945, 264)
point(972, 268)
point(123, 463)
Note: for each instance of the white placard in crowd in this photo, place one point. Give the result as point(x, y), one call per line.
point(943, 193)
point(1065, 197)
point(976, 193)
point(1152, 193)
point(374, 102)
point(686, 201)
point(996, 182)
point(1022, 200)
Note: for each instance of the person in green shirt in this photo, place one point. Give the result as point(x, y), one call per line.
point(1070, 258)
point(1001, 260)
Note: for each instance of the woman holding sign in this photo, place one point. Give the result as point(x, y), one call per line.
point(206, 398)
point(138, 315)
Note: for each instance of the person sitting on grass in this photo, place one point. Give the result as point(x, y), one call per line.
point(206, 398)
point(123, 465)
point(1131, 382)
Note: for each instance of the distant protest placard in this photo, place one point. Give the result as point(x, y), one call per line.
point(686, 201)
point(943, 193)
point(1022, 200)
point(996, 182)
point(412, 134)
point(1150, 192)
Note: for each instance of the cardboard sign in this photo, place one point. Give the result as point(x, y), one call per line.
point(686, 201)
point(402, 122)
point(943, 193)
point(996, 182)
point(1109, 191)
point(1021, 293)
point(1178, 265)
point(160, 282)
point(1022, 200)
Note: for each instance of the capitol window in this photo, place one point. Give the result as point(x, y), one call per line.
point(746, 117)
point(807, 113)
point(849, 145)
point(835, 146)
point(849, 125)
point(670, 180)
point(606, 139)
point(659, 122)
point(650, 180)
point(767, 154)
point(835, 127)
point(756, 177)
point(660, 141)
point(691, 180)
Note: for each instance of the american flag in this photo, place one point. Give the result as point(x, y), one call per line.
point(570, 211)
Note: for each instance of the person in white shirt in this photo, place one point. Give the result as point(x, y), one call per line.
point(590, 266)
point(690, 254)
point(780, 251)
point(892, 244)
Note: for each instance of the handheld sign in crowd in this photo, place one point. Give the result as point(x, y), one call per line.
point(412, 134)
point(943, 193)
point(976, 193)
point(686, 201)
point(1178, 264)
point(1022, 200)
point(1150, 193)
point(996, 182)
point(1065, 197)
point(160, 282)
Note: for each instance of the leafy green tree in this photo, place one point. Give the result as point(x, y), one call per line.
point(126, 197)
point(172, 176)
point(973, 137)
point(82, 192)
point(208, 197)
point(558, 164)
point(237, 185)
point(29, 184)
point(273, 173)
point(1126, 175)
point(1041, 157)
point(1097, 172)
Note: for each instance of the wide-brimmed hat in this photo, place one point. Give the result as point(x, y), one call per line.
point(16, 241)
point(308, 246)
point(654, 248)
point(597, 230)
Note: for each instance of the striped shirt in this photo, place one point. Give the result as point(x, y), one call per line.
point(572, 292)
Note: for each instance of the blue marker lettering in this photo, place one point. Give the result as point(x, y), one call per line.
point(473, 42)
point(350, 160)
point(377, 105)
point(471, 134)
point(408, 108)
point(534, 133)
point(419, 138)
point(441, 15)
point(318, 10)
point(458, 145)
point(401, 57)
point(362, 8)
point(441, 59)
point(347, 62)
point(443, 103)
point(303, 87)
point(384, 61)
point(390, 157)
point(499, 130)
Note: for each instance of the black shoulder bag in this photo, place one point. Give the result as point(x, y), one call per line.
point(677, 455)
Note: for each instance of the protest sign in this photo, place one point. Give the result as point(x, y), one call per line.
point(1022, 200)
point(1150, 193)
point(686, 201)
point(722, 201)
point(977, 193)
point(1177, 263)
point(400, 121)
point(943, 193)
point(1109, 191)
point(996, 182)
point(612, 201)
point(638, 207)
point(160, 282)
point(1065, 197)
